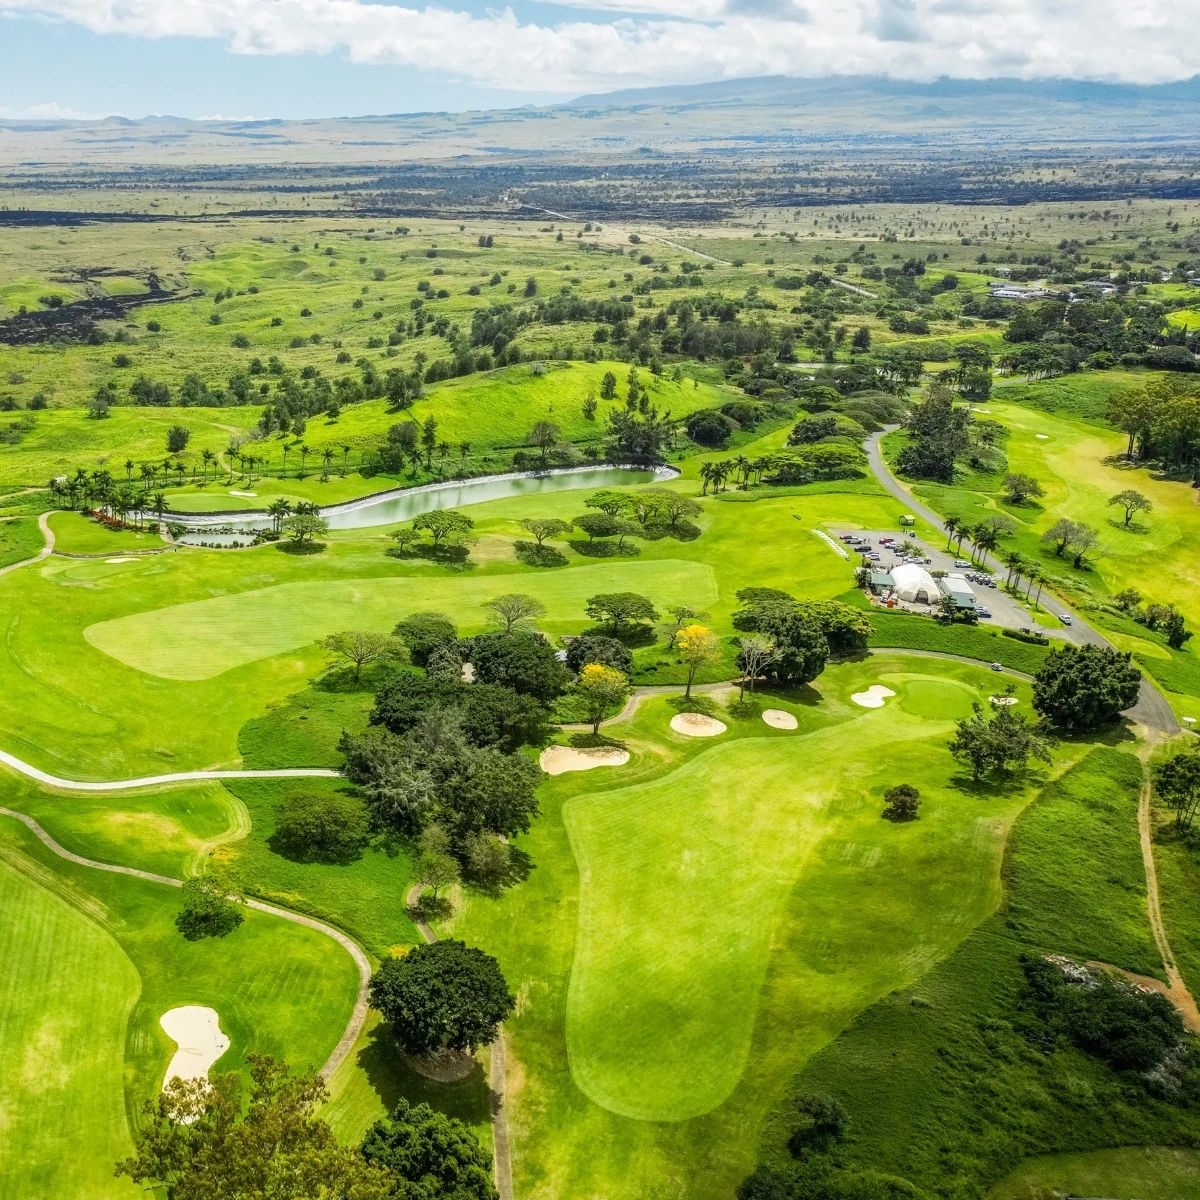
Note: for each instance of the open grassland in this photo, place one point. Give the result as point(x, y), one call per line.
point(143, 967)
point(941, 1086)
point(1130, 1173)
point(712, 914)
point(76, 534)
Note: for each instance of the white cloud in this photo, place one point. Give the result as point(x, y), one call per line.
point(49, 111)
point(669, 41)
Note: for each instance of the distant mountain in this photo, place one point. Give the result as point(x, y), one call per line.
point(775, 118)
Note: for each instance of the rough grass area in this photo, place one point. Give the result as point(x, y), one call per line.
point(19, 539)
point(911, 632)
point(941, 1087)
point(1144, 1172)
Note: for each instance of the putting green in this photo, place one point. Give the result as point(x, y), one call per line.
point(204, 638)
point(937, 699)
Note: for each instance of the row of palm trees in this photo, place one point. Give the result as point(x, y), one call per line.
point(279, 511)
point(984, 538)
point(742, 470)
point(98, 490)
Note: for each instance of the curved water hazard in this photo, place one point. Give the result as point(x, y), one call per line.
point(196, 1032)
point(403, 504)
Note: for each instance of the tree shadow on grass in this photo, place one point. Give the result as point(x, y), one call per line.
point(298, 550)
point(604, 549)
point(517, 868)
point(533, 555)
point(392, 1078)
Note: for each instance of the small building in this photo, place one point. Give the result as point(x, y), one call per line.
point(959, 590)
point(881, 582)
point(907, 521)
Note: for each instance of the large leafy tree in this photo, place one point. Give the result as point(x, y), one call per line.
point(938, 432)
point(442, 996)
point(523, 661)
point(600, 688)
point(197, 1141)
point(424, 632)
point(445, 526)
point(437, 1156)
point(620, 611)
point(1000, 740)
point(361, 647)
point(596, 648)
point(1177, 785)
point(1080, 688)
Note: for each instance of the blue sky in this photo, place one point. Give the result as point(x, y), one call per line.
point(307, 58)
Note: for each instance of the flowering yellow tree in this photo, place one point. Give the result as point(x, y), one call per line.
point(601, 688)
point(698, 647)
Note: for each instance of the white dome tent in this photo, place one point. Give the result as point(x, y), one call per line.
point(914, 585)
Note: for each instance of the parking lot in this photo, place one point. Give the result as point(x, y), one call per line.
point(881, 549)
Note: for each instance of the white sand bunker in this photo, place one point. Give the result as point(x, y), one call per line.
point(196, 1031)
point(1042, 437)
point(249, 495)
point(778, 719)
point(558, 760)
point(873, 697)
point(120, 560)
point(1002, 699)
point(696, 725)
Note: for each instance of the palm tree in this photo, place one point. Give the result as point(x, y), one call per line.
point(952, 526)
point(206, 457)
point(985, 539)
point(304, 453)
point(326, 459)
point(708, 473)
point(286, 451)
point(345, 459)
point(160, 503)
point(1015, 564)
point(464, 448)
point(278, 510)
point(742, 463)
point(129, 470)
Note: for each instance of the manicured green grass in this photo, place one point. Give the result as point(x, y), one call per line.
point(941, 1087)
point(205, 638)
point(713, 913)
point(1130, 1173)
point(76, 534)
point(66, 991)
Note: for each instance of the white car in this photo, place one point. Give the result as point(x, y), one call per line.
point(1065, 618)
point(961, 562)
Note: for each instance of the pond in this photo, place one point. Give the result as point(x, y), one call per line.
point(403, 504)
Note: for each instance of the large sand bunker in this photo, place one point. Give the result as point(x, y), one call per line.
point(558, 760)
point(778, 719)
point(696, 725)
point(873, 697)
point(1002, 699)
point(196, 1031)
point(120, 560)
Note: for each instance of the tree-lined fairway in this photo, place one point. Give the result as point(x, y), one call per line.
point(239, 609)
point(205, 638)
point(716, 911)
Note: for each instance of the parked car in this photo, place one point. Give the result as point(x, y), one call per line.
point(996, 667)
point(984, 612)
point(961, 562)
point(1065, 618)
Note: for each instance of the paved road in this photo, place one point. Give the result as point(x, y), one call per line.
point(359, 1013)
point(852, 287)
point(1151, 710)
